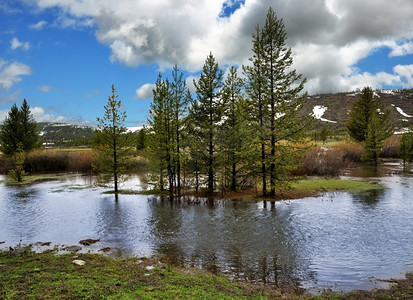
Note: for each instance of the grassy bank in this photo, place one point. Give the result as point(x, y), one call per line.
point(49, 276)
point(46, 275)
point(299, 189)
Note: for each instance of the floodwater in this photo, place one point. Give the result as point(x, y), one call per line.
point(339, 240)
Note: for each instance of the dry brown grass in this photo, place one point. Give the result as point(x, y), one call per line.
point(330, 161)
point(59, 161)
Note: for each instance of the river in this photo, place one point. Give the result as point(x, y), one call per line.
point(339, 240)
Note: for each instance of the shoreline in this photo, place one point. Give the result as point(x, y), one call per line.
point(26, 274)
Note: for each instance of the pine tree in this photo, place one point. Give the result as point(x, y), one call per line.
point(29, 134)
point(10, 134)
point(180, 100)
point(369, 124)
point(160, 124)
point(233, 133)
point(406, 147)
point(19, 131)
point(361, 112)
point(113, 150)
point(276, 88)
point(255, 88)
point(207, 113)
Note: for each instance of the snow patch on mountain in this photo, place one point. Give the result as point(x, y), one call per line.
point(400, 111)
point(318, 112)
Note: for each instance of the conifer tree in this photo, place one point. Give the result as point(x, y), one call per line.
point(406, 147)
point(207, 113)
point(19, 132)
point(361, 112)
point(233, 133)
point(276, 88)
point(30, 135)
point(369, 124)
point(255, 85)
point(180, 100)
point(160, 124)
point(113, 149)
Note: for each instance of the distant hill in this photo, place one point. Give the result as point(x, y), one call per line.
point(65, 134)
point(331, 110)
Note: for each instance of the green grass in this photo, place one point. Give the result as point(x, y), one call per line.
point(50, 276)
point(46, 275)
point(316, 186)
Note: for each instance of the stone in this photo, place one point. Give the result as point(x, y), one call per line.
point(73, 248)
point(79, 262)
point(88, 242)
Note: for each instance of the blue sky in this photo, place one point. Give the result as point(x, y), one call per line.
point(62, 56)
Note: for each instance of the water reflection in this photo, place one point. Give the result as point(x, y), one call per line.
point(229, 237)
point(23, 201)
point(338, 240)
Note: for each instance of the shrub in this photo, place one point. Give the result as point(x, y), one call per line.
point(330, 161)
point(58, 161)
point(391, 147)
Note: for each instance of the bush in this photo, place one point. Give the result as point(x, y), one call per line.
point(59, 161)
point(391, 147)
point(330, 161)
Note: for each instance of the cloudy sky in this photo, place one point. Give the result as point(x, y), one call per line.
point(64, 55)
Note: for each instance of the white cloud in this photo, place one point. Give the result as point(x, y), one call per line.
point(15, 43)
point(44, 88)
point(145, 91)
point(38, 26)
point(406, 73)
point(10, 73)
point(328, 37)
point(402, 49)
point(40, 115)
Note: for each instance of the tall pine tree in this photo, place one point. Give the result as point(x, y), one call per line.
point(207, 113)
point(113, 149)
point(277, 91)
point(233, 134)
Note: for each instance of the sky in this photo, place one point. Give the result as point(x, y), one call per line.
point(63, 56)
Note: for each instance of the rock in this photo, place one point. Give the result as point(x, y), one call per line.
point(149, 268)
point(73, 248)
point(106, 249)
point(2, 242)
point(42, 244)
point(88, 242)
point(79, 262)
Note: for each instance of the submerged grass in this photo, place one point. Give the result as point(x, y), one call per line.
point(28, 275)
point(312, 187)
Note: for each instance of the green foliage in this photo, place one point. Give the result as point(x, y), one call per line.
point(406, 147)
point(275, 102)
point(166, 123)
point(207, 111)
point(141, 138)
point(369, 124)
point(19, 131)
point(112, 154)
point(233, 135)
point(17, 172)
point(376, 134)
point(66, 134)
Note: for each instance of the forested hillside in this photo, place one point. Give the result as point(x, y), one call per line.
point(331, 110)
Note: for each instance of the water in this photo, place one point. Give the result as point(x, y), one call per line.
point(339, 240)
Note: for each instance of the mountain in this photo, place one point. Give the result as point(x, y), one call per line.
point(61, 133)
point(332, 110)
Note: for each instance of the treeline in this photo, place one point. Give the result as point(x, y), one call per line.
point(233, 132)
